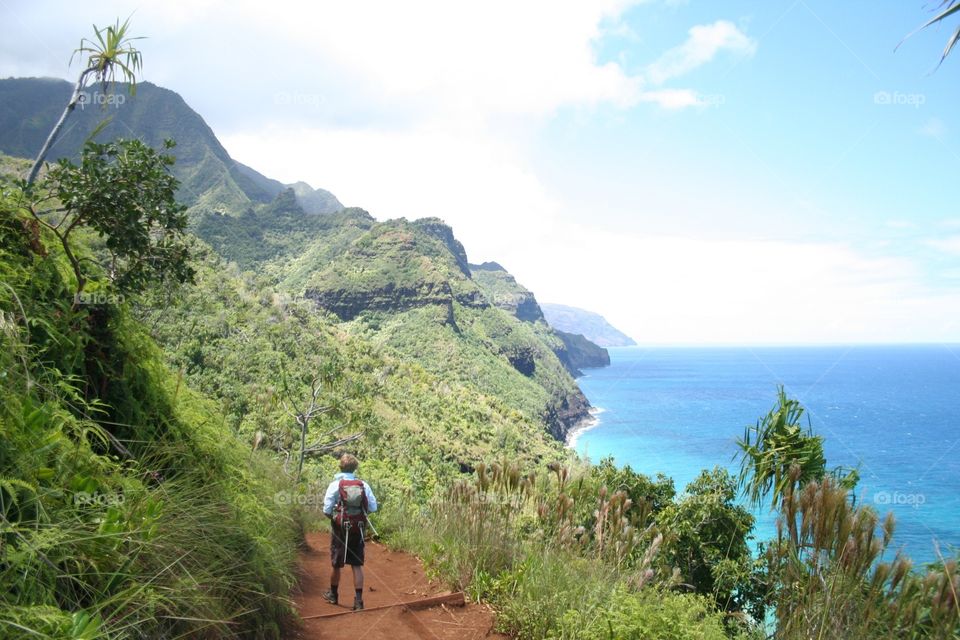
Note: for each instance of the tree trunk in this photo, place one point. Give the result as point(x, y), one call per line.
point(304, 421)
point(71, 105)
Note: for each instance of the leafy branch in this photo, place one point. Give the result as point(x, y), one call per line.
point(124, 192)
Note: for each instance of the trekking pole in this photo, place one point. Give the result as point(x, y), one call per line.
point(346, 541)
point(367, 517)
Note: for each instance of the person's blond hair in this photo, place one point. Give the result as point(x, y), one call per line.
point(349, 463)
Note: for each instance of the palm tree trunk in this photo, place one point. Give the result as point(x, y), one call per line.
point(77, 88)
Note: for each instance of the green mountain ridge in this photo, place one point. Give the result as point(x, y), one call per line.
point(405, 286)
point(503, 291)
point(210, 179)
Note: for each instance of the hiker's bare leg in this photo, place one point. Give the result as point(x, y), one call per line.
point(357, 577)
point(335, 577)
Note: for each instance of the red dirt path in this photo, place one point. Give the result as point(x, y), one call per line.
point(390, 577)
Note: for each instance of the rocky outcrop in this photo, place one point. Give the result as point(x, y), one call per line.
point(347, 304)
point(441, 231)
point(504, 292)
point(579, 353)
point(565, 413)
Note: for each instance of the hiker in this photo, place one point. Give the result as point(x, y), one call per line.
point(347, 503)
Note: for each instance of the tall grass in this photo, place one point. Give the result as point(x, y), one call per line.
point(513, 540)
point(832, 578)
point(135, 518)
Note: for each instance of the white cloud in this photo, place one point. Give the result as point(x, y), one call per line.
point(949, 244)
point(680, 290)
point(703, 44)
point(671, 98)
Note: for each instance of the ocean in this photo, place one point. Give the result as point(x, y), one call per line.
point(892, 410)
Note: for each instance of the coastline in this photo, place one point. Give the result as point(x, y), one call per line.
point(588, 423)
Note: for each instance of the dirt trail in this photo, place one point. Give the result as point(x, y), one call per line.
point(390, 577)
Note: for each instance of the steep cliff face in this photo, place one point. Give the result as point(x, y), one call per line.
point(503, 291)
point(394, 267)
point(580, 353)
point(438, 229)
point(408, 287)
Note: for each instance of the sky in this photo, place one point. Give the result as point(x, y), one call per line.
point(699, 172)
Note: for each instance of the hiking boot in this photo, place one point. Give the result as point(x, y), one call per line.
point(357, 604)
point(330, 597)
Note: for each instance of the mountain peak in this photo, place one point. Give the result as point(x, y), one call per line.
point(315, 201)
point(210, 180)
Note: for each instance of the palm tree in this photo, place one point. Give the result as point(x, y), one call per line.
point(111, 52)
point(946, 9)
point(777, 455)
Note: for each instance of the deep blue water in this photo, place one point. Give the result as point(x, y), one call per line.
point(892, 410)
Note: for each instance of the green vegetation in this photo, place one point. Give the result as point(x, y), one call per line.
point(123, 193)
point(154, 436)
point(122, 505)
point(826, 568)
point(232, 336)
point(563, 556)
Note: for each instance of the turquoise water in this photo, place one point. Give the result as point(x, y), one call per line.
point(892, 410)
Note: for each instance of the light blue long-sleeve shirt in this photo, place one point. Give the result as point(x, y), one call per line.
point(332, 496)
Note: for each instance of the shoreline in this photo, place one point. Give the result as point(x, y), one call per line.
point(588, 423)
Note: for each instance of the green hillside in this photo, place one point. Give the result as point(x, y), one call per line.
point(126, 505)
point(406, 286)
point(235, 337)
point(210, 180)
point(503, 291)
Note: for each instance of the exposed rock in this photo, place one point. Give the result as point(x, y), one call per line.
point(442, 231)
point(504, 292)
point(579, 353)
